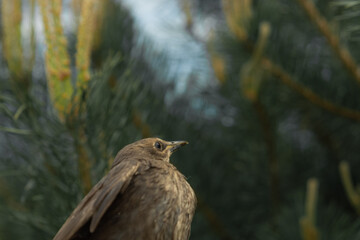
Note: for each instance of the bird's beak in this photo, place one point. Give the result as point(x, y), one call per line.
point(175, 145)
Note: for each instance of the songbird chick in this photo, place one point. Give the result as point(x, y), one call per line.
point(142, 197)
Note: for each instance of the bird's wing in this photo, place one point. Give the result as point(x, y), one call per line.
point(99, 199)
point(114, 186)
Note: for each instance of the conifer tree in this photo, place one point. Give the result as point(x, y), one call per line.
point(274, 144)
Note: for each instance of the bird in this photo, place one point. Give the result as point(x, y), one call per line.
point(143, 196)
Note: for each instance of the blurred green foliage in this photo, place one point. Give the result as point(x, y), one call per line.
point(252, 149)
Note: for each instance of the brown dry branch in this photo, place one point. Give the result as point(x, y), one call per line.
point(333, 40)
point(308, 94)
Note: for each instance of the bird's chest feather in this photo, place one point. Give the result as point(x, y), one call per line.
point(164, 186)
point(157, 201)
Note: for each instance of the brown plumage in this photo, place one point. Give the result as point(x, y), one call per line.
point(142, 197)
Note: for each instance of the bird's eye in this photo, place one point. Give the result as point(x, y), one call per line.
point(158, 145)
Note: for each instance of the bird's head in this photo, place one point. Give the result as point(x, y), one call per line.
point(151, 148)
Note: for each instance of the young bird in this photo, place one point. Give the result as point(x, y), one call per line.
point(142, 197)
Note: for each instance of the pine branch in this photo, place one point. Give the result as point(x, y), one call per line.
point(56, 57)
point(238, 15)
point(251, 79)
point(307, 223)
point(11, 17)
point(308, 94)
point(286, 78)
point(333, 40)
point(90, 12)
point(218, 65)
point(84, 163)
point(15, 130)
point(271, 150)
point(353, 195)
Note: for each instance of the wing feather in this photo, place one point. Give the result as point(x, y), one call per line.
point(117, 185)
point(98, 200)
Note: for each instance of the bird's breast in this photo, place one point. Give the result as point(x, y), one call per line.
point(158, 201)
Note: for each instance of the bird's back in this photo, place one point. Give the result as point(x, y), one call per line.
point(158, 204)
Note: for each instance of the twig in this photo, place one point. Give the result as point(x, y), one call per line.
point(11, 16)
point(19, 111)
point(298, 87)
point(270, 145)
point(324, 137)
point(307, 223)
point(84, 163)
point(56, 57)
point(85, 38)
point(15, 130)
point(309, 94)
point(354, 197)
point(76, 126)
point(251, 80)
point(332, 39)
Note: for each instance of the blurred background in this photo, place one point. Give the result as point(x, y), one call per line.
point(266, 92)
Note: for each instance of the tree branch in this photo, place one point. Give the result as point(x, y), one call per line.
point(332, 39)
point(309, 94)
